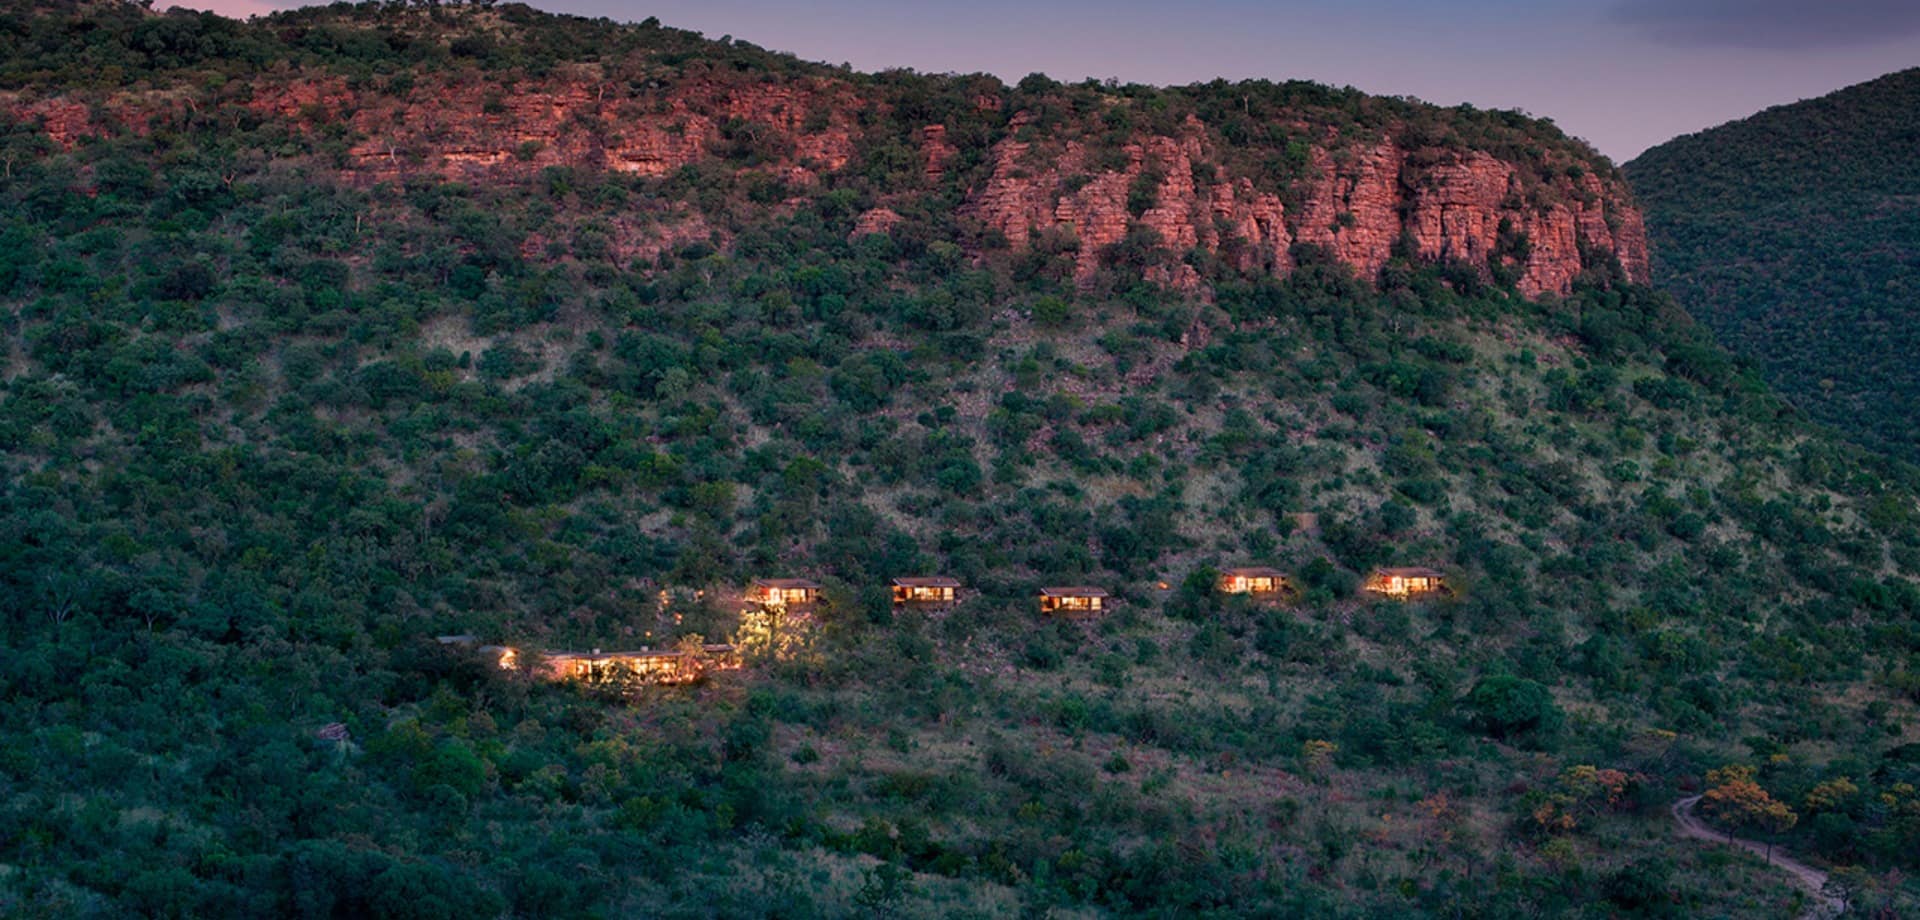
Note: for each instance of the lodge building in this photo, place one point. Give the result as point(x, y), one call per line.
point(646, 666)
point(790, 592)
point(1407, 582)
point(930, 590)
point(1075, 600)
point(1254, 581)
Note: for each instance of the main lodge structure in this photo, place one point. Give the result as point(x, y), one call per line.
point(647, 666)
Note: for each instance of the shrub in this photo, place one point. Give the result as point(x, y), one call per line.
point(1508, 707)
point(1052, 311)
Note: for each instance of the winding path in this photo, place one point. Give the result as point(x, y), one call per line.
point(1813, 880)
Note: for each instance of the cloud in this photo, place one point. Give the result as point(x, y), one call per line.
point(1771, 24)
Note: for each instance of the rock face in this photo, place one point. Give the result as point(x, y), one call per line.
point(934, 146)
point(1457, 212)
point(800, 130)
point(877, 220)
point(1358, 204)
point(1149, 204)
point(1098, 208)
point(68, 121)
point(64, 120)
point(1353, 208)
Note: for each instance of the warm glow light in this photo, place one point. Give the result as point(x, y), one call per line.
point(1404, 585)
point(773, 631)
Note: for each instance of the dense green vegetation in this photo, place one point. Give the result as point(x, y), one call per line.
point(263, 434)
point(1795, 235)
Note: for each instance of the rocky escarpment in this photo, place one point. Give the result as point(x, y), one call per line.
point(1028, 192)
point(1358, 203)
point(473, 129)
point(1360, 199)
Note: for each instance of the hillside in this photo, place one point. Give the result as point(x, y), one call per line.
point(1795, 236)
point(341, 330)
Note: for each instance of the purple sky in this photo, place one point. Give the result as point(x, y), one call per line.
point(1624, 74)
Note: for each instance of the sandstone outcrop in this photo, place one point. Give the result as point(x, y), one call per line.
point(65, 120)
point(1356, 203)
point(876, 220)
point(936, 149)
point(1025, 193)
point(1162, 195)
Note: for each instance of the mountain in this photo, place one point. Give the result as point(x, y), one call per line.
point(1795, 236)
point(337, 331)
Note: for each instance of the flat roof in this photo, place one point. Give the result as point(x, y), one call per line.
point(602, 656)
point(710, 648)
point(927, 581)
point(1074, 591)
point(786, 583)
point(1413, 571)
point(1254, 571)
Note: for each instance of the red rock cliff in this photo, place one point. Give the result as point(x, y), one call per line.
point(1357, 200)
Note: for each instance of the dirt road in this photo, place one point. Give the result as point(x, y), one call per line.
point(1813, 880)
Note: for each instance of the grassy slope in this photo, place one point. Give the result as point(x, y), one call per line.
point(247, 470)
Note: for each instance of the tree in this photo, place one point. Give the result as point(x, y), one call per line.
point(60, 593)
point(1736, 800)
point(884, 888)
point(1581, 788)
point(1316, 757)
point(1508, 706)
point(1643, 887)
point(1830, 795)
point(1052, 311)
point(1845, 884)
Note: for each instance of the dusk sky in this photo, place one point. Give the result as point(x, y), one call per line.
point(1624, 74)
